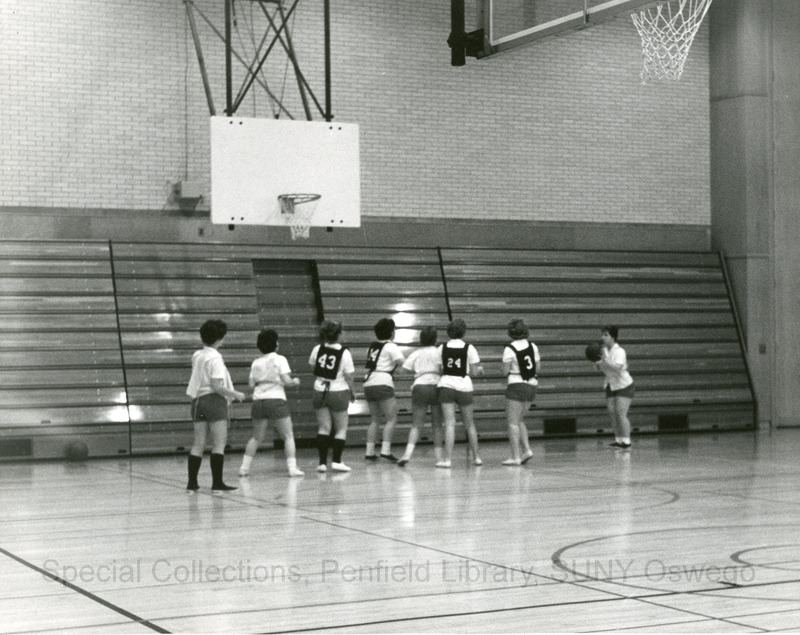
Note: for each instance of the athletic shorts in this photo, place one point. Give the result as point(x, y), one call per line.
point(521, 391)
point(450, 395)
point(270, 409)
point(210, 408)
point(378, 393)
point(333, 400)
point(424, 395)
point(628, 392)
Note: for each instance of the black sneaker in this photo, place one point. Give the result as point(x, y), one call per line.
point(370, 457)
point(624, 446)
point(222, 488)
point(401, 462)
point(389, 457)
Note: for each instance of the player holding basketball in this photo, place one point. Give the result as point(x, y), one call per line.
point(211, 390)
point(333, 392)
point(459, 363)
point(425, 363)
point(383, 358)
point(618, 384)
point(268, 376)
point(521, 364)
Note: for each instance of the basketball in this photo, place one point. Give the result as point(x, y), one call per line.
point(593, 351)
point(76, 451)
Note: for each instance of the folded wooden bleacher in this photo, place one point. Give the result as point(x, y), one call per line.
point(98, 336)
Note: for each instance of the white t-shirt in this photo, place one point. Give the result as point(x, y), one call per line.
point(207, 363)
point(346, 366)
point(265, 376)
point(389, 356)
point(462, 384)
point(614, 365)
point(426, 364)
point(509, 357)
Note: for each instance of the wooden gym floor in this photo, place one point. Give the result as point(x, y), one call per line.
point(695, 533)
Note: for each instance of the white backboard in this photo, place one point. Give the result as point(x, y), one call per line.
point(254, 161)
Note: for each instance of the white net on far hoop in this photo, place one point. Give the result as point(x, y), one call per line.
point(667, 36)
point(297, 210)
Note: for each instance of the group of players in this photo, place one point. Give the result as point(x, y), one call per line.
point(442, 380)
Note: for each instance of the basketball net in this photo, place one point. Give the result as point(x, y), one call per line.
point(667, 36)
point(297, 210)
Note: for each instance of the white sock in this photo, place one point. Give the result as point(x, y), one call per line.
point(246, 461)
point(370, 449)
point(291, 463)
point(437, 452)
point(386, 448)
point(409, 449)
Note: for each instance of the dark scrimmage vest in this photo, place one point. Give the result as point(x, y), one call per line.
point(454, 361)
point(328, 361)
point(525, 361)
point(373, 354)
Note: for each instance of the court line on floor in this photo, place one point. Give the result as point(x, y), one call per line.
point(88, 594)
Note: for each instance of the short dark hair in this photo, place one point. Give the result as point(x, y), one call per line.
point(384, 328)
point(428, 336)
point(611, 329)
point(456, 329)
point(213, 331)
point(329, 331)
point(517, 329)
point(267, 341)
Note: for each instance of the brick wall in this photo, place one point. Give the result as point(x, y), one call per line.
point(103, 107)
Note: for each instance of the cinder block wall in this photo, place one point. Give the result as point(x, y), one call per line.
point(103, 108)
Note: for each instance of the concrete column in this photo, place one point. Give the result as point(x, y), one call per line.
point(755, 144)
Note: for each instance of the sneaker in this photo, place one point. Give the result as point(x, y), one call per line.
point(402, 462)
point(243, 471)
point(293, 471)
point(370, 457)
point(192, 488)
point(444, 464)
point(526, 458)
point(478, 461)
point(340, 467)
point(322, 468)
point(616, 444)
point(222, 488)
point(512, 462)
point(389, 457)
point(624, 446)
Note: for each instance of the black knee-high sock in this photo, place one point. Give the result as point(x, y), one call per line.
point(194, 468)
point(217, 463)
point(323, 442)
point(338, 446)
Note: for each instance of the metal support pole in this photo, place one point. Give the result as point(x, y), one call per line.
point(228, 65)
point(200, 59)
point(458, 55)
point(328, 114)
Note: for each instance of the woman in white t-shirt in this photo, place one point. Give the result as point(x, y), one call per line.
point(268, 376)
point(521, 364)
point(425, 362)
point(383, 358)
point(618, 385)
point(333, 393)
point(459, 363)
point(211, 391)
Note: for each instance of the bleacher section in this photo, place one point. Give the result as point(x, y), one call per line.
point(97, 334)
point(61, 375)
point(675, 320)
point(164, 293)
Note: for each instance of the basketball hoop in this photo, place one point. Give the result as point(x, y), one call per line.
point(667, 36)
point(297, 211)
